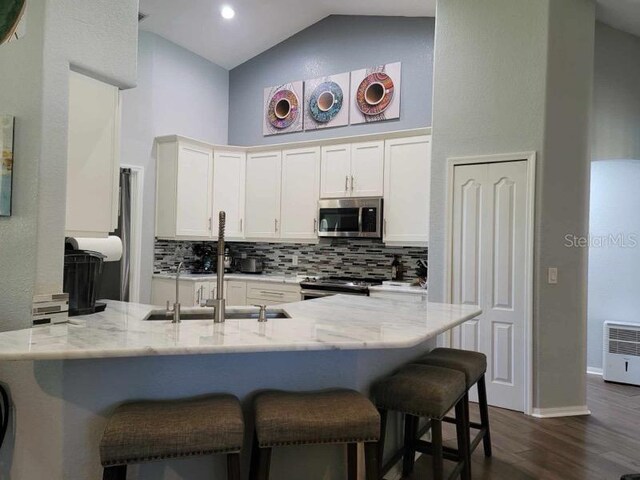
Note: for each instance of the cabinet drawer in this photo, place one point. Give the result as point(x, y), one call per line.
point(273, 293)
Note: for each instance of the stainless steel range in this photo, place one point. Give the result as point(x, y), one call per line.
point(327, 286)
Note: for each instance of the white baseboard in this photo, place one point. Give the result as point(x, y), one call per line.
point(560, 412)
point(395, 473)
point(594, 371)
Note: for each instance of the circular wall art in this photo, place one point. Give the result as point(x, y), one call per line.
point(326, 102)
point(11, 12)
point(375, 93)
point(283, 109)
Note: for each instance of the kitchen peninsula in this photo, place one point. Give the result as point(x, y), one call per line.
point(65, 380)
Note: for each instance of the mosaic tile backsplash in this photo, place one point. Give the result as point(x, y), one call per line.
point(344, 257)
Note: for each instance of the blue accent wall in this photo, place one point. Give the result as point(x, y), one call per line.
point(334, 45)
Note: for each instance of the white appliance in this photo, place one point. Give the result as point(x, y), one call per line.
point(621, 359)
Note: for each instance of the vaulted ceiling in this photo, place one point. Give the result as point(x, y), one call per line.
point(260, 24)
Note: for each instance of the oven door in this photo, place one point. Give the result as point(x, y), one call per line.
point(350, 217)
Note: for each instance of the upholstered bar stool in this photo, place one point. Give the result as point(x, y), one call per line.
point(474, 367)
point(155, 430)
point(423, 391)
point(308, 418)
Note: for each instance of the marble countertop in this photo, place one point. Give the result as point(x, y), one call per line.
point(253, 277)
point(341, 322)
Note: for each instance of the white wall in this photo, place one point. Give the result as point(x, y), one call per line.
point(614, 271)
point(178, 92)
point(502, 84)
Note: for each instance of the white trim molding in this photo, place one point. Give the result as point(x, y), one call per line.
point(594, 371)
point(561, 412)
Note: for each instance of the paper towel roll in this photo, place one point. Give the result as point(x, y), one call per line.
point(110, 247)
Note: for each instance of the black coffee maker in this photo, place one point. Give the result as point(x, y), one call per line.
point(82, 275)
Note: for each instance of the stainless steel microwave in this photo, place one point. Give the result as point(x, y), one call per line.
point(350, 217)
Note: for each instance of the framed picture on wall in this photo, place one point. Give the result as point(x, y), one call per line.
point(6, 164)
point(375, 93)
point(326, 102)
point(283, 109)
point(12, 20)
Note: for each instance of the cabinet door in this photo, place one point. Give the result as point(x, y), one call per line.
point(236, 293)
point(93, 161)
point(193, 202)
point(228, 192)
point(300, 193)
point(262, 202)
point(407, 167)
point(367, 169)
point(336, 171)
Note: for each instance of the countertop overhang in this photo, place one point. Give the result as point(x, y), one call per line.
point(340, 322)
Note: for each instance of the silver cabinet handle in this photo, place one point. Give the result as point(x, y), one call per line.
point(315, 225)
point(210, 224)
point(352, 183)
point(276, 224)
point(241, 225)
point(385, 226)
point(346, 183)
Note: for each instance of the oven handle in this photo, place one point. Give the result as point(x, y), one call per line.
point(325, 293)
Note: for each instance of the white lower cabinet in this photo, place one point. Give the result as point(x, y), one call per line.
point(237, 293)
point(268, 293)
point(192, 294)
point(263, 195)
point(407, 174)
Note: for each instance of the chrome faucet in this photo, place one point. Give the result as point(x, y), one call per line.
point(176, 306)
point(219, 302)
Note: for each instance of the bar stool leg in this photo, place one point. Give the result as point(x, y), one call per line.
point(484, 415)
point(260, 461)
point(383, 433)
point(352, 461)
point(462, 434)
point(410, 432)
point(233, 466)
point(371, 461)
point(436, 440)
point(117, 472)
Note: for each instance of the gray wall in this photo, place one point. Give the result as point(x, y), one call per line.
point(615, 201)
point(499, 88)
point(334, 45)
point(180, 93)
point(91, 36)
point(614, 270)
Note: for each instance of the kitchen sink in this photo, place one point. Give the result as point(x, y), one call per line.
point(207, 314)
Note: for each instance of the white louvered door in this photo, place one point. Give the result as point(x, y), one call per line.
point(488, 269)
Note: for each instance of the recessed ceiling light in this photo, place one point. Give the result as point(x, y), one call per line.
point(227, 12)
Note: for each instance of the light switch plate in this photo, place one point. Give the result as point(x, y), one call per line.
point(552, 276)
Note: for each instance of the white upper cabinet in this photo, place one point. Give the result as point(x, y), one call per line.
point(184, 190)
point(353, 170)
point(407, 170)
point(336, 171)
point(263, 195)
point(93, 162)
point(229, 192)
point(367, 169)
point(300, 194)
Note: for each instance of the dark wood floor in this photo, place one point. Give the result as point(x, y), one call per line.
point(602, 446)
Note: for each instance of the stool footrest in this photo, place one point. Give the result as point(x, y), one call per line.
point(448, 453)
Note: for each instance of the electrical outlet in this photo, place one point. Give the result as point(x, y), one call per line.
point(552, 276)
point(294, 260)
